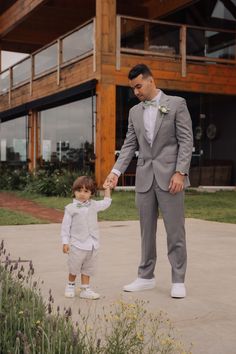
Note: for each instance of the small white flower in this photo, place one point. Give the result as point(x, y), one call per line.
point(163, 109)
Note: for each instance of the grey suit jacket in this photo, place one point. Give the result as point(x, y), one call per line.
point(171, 149)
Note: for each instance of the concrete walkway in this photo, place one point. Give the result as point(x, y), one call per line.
point(206, 317)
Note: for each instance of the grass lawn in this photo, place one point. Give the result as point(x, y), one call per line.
point(9, 217)
point(219, 206)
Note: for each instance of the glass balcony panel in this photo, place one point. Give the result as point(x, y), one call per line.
point(195, 42)
point(21, 72)
point(4, 82)
point(156, 37)
point(78, 43)
point(46, 59)
point(213, 44)
point(220, 45)
point(132, 34)
point(164, 39)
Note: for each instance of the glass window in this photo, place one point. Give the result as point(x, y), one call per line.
point(67, 135)
point(13, 141)
point(78, 43)
point(125, 100)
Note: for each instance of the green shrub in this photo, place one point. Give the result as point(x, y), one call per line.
point(45, 181)
point(15, 179)
point(30, 325)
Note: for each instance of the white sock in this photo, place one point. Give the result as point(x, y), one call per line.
point(84, 286)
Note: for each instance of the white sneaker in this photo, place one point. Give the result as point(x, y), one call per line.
point(87, 293)
point(70, 290)
point(178, 290)
point(140, 284)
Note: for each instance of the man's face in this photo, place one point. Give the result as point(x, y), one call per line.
point(143, 87)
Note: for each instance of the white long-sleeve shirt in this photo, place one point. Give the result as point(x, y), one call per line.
point(79, 225)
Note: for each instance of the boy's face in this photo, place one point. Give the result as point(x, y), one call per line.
point(83, 194)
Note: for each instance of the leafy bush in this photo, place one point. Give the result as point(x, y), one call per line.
point(29, 325)
point(14, 179)
point(46, 182)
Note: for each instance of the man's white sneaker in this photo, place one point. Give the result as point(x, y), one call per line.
point(178, 290)
point(87, 293)
point(140, 284)
point(70, 290)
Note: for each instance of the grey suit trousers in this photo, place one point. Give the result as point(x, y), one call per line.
point(172, 209)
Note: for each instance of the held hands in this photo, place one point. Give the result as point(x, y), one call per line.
point(107, 188)
point(111, 181)
point(176, 183)
point(66, 248)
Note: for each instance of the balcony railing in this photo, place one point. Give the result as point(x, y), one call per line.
point(175, 41)
point(69, 48)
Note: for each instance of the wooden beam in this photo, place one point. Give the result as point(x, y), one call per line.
point(17, 13)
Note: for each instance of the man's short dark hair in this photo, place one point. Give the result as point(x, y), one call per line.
point(139, 69)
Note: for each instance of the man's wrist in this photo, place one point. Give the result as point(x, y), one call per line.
point(116, 172)
point(181, 173)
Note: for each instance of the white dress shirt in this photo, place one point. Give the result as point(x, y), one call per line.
point(90, 241)
point(149, 118)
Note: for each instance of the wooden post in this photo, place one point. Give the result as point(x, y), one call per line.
point(106, 89)
point(183, 33)
point(32, 133)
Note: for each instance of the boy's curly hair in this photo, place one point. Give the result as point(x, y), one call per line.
point(86, 182)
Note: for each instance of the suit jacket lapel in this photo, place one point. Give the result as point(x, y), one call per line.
point(163, 102)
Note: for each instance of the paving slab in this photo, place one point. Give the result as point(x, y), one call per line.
point(206, 317)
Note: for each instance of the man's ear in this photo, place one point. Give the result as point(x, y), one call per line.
point(151, 80)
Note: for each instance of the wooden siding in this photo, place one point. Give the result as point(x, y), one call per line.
point(200, 77)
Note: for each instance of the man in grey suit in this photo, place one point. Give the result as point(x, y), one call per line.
point(160, 129)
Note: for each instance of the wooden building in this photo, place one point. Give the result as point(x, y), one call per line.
point(66, 103)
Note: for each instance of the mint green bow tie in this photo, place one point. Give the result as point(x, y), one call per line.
point(82, 205)
point(152, 103)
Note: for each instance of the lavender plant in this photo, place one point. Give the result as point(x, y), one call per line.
point(31, 325)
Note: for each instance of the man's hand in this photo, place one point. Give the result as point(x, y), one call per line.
point(176, 183)
point(111, 180)
point(66, 248)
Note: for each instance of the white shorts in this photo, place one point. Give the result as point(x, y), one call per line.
point(82, 261)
